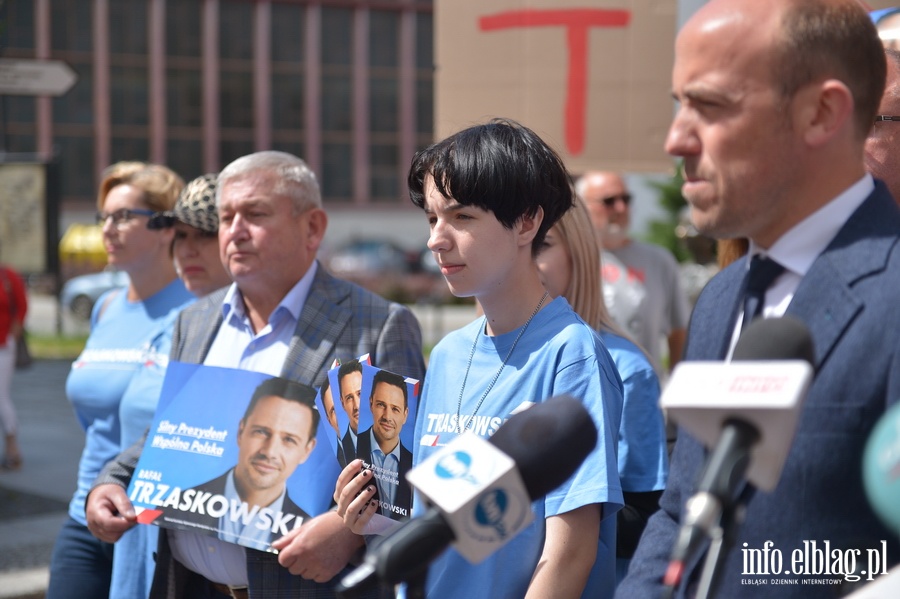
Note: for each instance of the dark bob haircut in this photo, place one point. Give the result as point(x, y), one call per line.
point(500, 166)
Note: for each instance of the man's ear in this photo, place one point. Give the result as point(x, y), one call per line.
point(821, 110)
point(528, 226)
point(316, 223)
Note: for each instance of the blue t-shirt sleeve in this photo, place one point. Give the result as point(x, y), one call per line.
point(643, 461)
point(597, 479)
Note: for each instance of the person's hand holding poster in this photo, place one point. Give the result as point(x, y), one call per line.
point(235, 454)
point(386, 422)
point(374, 422)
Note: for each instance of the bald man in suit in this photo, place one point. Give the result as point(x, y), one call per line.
point(771, 131)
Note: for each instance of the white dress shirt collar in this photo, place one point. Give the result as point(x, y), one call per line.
point(799, 247)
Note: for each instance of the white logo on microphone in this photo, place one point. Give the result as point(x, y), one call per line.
point(455, 466)
point(490, 509)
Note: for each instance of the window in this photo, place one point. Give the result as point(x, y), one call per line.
point(130, 148)
point(184, 97)
point(232, 149)
point(183, 28)
point(184, 88)
point(16, 143)
point(424, 76)
point(18, 30)
point(287, 101)
point(335, 131)
point(337, 174)
point(185, 156)
point(236, 99)
point(235, 30)
point(288, 25)
point(76, 160)
point(77, 105)
point(128, 91)
point(384, 31)
point(288, 71)
point(19, 110)
point(385, 171)
point(337, 36)
point(127, 26)
point(71, 26)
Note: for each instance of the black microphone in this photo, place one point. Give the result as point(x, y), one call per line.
point(749, 424)
point(547, 442)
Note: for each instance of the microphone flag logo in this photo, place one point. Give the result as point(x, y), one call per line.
point(491, 509)
point(478, 490)
point(455, 465)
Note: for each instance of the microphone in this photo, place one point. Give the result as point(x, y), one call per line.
point(481, 499)
point(881, 481)
point(881, 469)
point(746, 411)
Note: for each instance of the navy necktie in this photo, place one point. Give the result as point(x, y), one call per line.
point(763, 271)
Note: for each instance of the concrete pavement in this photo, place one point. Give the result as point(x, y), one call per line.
point(34, 500)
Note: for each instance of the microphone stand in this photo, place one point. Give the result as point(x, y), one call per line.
point(721, 541)
point(715, 512)
point(415, 585)
point(714, 557)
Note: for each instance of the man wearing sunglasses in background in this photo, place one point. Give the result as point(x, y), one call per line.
point(641, 279)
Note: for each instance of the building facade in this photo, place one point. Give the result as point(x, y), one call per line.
point(194, 84)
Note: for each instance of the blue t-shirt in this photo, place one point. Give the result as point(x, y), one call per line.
point(119, 343)
point(643, 457)
point(133, 561)
point(138, 405)
point(558, 354)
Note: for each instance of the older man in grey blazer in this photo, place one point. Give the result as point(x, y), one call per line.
point(284, 315)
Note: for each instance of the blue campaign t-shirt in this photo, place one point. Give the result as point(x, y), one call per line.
point(133, 561)
point(557, 354)
point(643, 458)
point(119, 343)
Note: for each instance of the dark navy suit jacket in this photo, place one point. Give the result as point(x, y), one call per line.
point(850, 301)
point(347, 449)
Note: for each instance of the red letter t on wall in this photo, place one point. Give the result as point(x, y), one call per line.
point(577, 21)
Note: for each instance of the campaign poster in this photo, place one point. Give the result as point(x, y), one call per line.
point(375, 414)
point(235, 454)
point(341, 397)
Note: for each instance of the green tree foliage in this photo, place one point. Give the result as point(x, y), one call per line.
point(666, 232)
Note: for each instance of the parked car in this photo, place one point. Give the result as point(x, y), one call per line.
point(387, 269)
point(373, 256)
point(80, 293)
